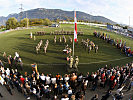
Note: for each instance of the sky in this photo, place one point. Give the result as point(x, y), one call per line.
point(116, 10)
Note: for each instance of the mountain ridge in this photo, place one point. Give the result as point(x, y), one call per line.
point(54, 14)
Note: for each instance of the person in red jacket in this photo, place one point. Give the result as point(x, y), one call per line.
point(22, 79)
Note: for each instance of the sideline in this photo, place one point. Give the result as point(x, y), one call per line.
point(103, 61)
point(55, 64)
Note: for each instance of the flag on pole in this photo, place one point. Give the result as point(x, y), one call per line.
point(75, 27)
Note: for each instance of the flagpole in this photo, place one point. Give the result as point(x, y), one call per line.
point(75, 31)
point(73, 47)
point(73, 34)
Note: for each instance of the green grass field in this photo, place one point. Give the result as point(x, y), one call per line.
point(19, 41)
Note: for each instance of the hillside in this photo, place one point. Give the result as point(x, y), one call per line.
point(54, 14)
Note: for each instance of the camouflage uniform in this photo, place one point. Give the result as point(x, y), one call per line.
point(76, 62)
point(71, 62)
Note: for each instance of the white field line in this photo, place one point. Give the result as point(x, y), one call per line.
point(103, 61)
point(55, 64)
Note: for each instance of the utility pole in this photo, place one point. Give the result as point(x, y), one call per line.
point(21, 12)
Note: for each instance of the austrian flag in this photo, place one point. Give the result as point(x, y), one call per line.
point(75, 27)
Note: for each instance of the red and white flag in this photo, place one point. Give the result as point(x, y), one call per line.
point(75, 27)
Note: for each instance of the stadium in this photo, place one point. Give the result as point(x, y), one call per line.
point(43, 59)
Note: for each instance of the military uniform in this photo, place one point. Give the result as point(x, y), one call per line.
point(45, 49)
point(37, 49)
point(71, 62)
point(54, 39)
point(60, 40)
point(34, 38)
point(76, 62)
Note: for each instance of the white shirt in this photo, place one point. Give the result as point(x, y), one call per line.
point(8, 72)
point(16, 54)
point(48, 80)
point(64, 98)
point(66, 79)
point(43, 77)
point(69, 91)
point(53, 80)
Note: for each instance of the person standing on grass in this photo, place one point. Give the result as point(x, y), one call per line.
point(96, 48)
point(34, 38)
point(71, 62)
point(31, 35)
point(89, 49)
point(45, 49)
point(4, 55)
point(76, 62)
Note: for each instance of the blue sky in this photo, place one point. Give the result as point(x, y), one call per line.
point(116, 10)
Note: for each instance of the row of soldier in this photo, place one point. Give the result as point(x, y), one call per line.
point(89, 45)
point(65, 33)
point(73, 63)
point(63, 39)
point(40, 33)
point(38, 47)
point(59, 32)
point(46, 46)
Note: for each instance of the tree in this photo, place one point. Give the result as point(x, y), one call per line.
point(2, 26)
point(57, 20)
point(47, 22)
point(11, 23)
point(34, 22)
point(24, 22)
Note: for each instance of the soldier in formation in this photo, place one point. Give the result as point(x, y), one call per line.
point(34, 38)
point(39, 46)
point(54, 39)
point(37, 50)
point(70, 39)
point(46, 46)
point(45, 49)
point(76, 62)
point(64, 39)
point(31, 35)
point(71, 62)
point(88, 45)
point(60, 39)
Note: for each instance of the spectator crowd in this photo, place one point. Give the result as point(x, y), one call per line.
point(69, 86)
point(119, 44)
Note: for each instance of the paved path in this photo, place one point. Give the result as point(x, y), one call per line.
point(89, 94)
